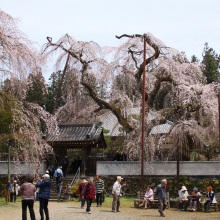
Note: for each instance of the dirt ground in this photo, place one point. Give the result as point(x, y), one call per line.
point(71, 210)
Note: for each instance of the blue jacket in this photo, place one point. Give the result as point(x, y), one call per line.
point(161, 192)
point(44, 186)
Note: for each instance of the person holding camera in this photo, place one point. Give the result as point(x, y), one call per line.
point(116, 193)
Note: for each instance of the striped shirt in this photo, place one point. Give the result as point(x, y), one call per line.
point(99, 185)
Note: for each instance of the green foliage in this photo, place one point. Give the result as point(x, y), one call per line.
point(36, 91)
point(6, 119)
point(53, 86)
point(159, 101)
point(211, 62)
point(194, 59)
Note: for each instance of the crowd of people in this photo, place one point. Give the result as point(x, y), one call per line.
point(93, 189)
point(195, 198)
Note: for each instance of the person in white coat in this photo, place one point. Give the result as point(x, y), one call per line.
point(184, 198)
point(14, 191)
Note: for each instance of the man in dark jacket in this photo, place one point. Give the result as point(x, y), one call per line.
point(65, 163)
point(44, 195)
point(161, 194)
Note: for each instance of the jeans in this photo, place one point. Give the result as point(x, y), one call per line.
point(193, 204)
point(44, 208)
point(115, 203)
point(30, 204)
point(207, 205)
point(183, 204)
point(13, 197)
point(99, 198)
point(162, 205)
point(88, 202)
point(82, 202)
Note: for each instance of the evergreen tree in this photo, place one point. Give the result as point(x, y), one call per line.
point(53, 86)
point(36, 90)
point(211, 64)
point(194, 59)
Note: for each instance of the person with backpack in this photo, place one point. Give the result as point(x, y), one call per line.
point(58, 174)
point(51, 170)
point(65, 163)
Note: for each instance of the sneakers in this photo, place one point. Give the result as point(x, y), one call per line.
point(114, 211)
point(193, 210)
point(89, 212)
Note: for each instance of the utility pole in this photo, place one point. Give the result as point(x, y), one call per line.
point(9, 161)
point(143, 115)
point(219, 118)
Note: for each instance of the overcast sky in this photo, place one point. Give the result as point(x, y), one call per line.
point(182, 24)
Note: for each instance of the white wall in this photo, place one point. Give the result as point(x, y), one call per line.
point(21, 168)
point(187, 168)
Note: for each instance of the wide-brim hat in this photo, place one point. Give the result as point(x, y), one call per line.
point(183, 188)
point(84, 181)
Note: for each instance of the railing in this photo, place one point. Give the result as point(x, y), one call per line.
point(76, 176)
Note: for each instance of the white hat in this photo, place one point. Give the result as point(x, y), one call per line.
point(119, 177)
point(46, 176)
point(183, 188)
point(84, 181)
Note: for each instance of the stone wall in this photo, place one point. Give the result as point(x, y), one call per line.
point(21, 168)
point(130, 168)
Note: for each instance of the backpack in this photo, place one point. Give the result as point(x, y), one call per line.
point(65, 162)
point(50, 169)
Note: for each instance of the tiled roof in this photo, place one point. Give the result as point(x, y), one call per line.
point(110, 122)
point(162, 129)
point(77, 132)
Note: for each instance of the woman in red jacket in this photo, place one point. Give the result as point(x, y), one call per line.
point(89, 194)
point(80, 189)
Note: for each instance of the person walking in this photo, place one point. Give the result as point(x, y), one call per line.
point(99, 186)
point(161, 194)
point(44, 195)
point(51, 170)
point(80, 190)
point(58, 174)
point(89, 194)
point(64, 164)
point(28, 193)
point(116, 191)
point(59, 190)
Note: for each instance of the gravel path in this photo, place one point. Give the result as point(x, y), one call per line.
point(71, 210)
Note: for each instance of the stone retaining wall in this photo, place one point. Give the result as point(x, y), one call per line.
point(130, 168)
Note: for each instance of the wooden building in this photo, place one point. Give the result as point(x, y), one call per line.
point(86, 138)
